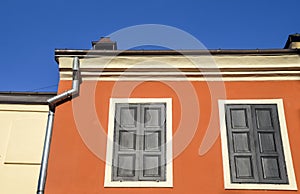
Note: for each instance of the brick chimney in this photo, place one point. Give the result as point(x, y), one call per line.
point(293, 42)
point(104, 44)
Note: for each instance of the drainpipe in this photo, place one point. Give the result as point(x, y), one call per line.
point(53, 102)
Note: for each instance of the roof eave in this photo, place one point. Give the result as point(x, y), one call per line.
point(95, 53)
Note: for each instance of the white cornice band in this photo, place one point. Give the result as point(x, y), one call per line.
point(181, 68)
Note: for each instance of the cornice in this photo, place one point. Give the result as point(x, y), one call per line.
point(179, 68)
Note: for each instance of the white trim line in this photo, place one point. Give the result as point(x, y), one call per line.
point(109, 149)
point(185, 78)
point(182, 73)
point(285, 143)
point(208, 76)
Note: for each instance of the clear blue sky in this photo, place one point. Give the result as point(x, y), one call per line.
point(31, 30)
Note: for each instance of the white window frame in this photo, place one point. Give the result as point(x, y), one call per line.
point(285, 143)
point(109, 149)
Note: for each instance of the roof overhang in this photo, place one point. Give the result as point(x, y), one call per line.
point(39, 98)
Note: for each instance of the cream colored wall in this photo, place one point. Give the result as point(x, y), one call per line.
point(22, 131)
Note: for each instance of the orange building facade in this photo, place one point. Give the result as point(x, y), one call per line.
point(177, 122)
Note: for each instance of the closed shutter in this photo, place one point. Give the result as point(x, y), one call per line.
point(255, 147)
point(269, 150)
point(139, 142)
point(125, 157)
point(241, 144)
point(153, 142)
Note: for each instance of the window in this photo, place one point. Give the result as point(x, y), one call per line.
point(256, 152)
point(139, 144)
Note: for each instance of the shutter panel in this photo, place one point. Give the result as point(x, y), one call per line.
point(241, 144)
point(125, 158)
point(139, 142)
point(152, 143)
point(270, 156)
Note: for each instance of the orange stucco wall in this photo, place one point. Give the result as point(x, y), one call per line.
point(76, 163)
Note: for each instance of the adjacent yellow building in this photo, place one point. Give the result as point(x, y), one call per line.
point(23, 118)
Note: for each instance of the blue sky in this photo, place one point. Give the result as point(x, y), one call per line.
point(31, 30)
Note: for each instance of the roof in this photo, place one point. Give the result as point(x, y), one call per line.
point(25, 97)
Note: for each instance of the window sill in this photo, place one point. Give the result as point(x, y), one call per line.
point(164, 184)
point(244, 186)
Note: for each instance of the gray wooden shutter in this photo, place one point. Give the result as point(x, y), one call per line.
point(139, 142)
point(153, 153)
point(255, 146)
point(270, 156)
point(241, 144)
point(125, 158)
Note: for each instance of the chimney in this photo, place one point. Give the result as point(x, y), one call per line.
point(293, 42)
point(104, 44)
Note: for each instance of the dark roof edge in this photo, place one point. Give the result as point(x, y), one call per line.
point(82, 53)
point(27, 93)
point(37, 98)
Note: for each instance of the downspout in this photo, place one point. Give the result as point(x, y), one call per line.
point(53, 102)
